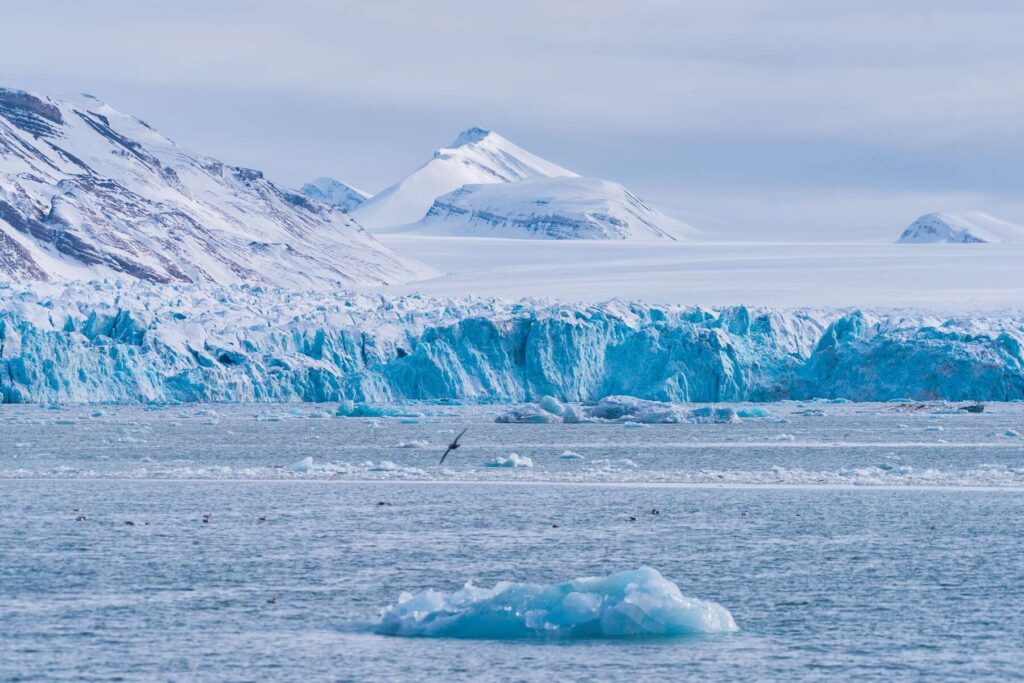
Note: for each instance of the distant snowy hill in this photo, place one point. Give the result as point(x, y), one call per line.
point(88, 192)
point(476, 157)
point(549, 208)
point(966, 228)
point(335, 193)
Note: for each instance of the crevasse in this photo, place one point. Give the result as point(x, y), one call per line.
point(106, 341)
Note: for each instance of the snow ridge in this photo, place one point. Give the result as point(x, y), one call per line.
point(335, 193)
point(549, 208)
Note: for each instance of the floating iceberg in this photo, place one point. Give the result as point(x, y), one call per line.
point(628, 604)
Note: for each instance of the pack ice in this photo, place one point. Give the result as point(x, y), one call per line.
point(624, 605)
point(138, 342)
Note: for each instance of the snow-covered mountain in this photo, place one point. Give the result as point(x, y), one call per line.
point(476, 157)
point(335, 193)
point(549, 208)
point(89, 192)
point(965, 228)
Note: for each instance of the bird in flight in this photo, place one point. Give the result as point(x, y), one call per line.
point(452, 446)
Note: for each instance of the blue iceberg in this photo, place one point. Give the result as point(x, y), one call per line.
point(629, 604)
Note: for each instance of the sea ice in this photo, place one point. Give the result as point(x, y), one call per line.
point(527, 413)
point(628, 604)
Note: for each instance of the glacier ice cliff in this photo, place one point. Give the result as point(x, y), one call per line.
point(144, 342)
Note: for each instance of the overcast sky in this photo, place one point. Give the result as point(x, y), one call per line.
point(806, 117)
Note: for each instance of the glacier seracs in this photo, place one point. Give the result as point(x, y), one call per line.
point(139, 342)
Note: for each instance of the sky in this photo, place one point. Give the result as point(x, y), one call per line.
point(808, 119)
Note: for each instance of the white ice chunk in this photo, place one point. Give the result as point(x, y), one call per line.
point(551, 405)
point(513, 460)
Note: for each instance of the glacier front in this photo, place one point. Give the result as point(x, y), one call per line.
point(145, 342)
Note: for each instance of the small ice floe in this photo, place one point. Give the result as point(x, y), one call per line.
point(935, 428)
point(632, 409)
point(630, 604)
point(415, 443)
point(616, 464)
point(513, 460)
point(350, 409)
point(811, 412)
point(634, 425)
point(753, 411)
point(1011, 433)
point(707, 414)
point(308, 466)
point(572, 415)
point(570, 455)
point(784, 437)
point(551, 405)
point(528, 413)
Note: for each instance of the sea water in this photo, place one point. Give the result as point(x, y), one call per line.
point(182, 543)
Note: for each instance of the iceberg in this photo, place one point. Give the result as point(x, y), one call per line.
point(629, 604)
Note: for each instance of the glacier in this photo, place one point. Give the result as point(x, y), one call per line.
point(136, 342)
point(629, 604)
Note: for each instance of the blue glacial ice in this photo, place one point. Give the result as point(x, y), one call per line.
point(110, 342)
point(628, 604)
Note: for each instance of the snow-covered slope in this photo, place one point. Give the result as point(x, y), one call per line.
point(335, 193)
point(477, 156)
point(86, 192)
point(549, 208)
point(139, 342)
point(966, 228)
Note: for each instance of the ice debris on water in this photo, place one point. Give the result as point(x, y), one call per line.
point(570, 455)
point(631, 412)
point(1011, 433)
point(629, 604)
point(414, 443)
point(513, 460)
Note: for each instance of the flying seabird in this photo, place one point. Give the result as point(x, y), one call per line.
point(452, 446)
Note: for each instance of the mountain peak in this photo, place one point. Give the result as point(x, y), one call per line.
point(466, 162)
point(470, 136)
point(971, 227)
